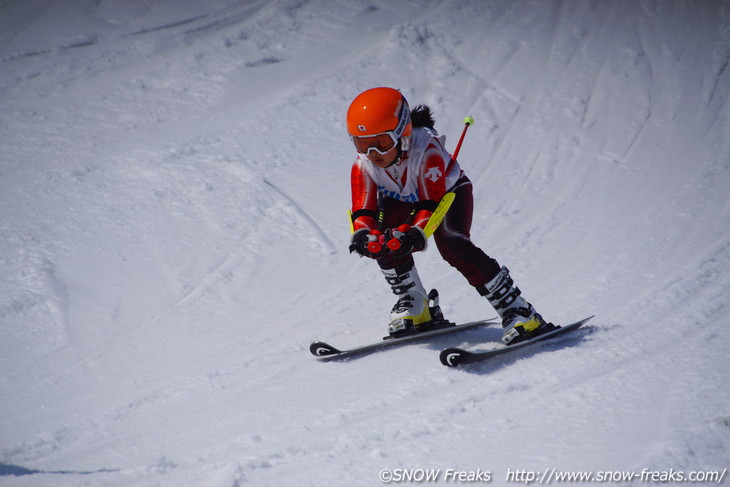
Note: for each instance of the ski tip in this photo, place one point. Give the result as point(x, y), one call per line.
point(451, 357)
point(322, 349)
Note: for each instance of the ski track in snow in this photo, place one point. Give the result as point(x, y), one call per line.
point(174, 184)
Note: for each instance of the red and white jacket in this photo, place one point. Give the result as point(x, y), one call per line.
point(419, 177)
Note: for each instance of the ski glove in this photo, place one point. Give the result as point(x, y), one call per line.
point(368, 243)
point(404, 240)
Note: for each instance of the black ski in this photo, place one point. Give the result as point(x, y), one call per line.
point(452, 357)
point(324, 350)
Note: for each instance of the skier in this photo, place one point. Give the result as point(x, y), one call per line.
point(401, 172)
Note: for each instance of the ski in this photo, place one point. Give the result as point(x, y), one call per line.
point(324, 350)
point(451, 357)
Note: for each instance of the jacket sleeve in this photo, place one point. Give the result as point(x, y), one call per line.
point(364, 198)
point(431, 183)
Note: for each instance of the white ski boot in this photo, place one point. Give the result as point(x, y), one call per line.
point(519, 319)
point(411, 310)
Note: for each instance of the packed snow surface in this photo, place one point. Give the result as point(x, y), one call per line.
point(174, 180)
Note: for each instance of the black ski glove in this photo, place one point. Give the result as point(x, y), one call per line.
point(368, 243)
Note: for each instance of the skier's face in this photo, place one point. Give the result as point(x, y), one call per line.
point(383, 160)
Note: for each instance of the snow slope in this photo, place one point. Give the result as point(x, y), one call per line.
point(173, 235)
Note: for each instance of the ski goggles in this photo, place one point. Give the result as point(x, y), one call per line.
point(380, 143)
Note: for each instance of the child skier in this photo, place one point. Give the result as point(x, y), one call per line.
point(401, 173)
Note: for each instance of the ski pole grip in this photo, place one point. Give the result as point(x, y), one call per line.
point(375, 247)
point(395, 243)
point(376, 239)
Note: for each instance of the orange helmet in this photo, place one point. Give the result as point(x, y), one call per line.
point(380, 111)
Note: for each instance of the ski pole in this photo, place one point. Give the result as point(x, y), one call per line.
point(440, 212)
point(445, 203)
point(376, 243)
point(468, 122)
